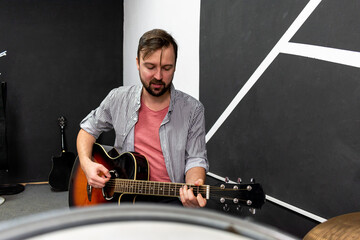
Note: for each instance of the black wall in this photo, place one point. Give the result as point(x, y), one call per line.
point(62, 59)
point(297, 130)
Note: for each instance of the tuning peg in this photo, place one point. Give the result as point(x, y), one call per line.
point(239, 180)
point(227, 179)
point(252, 210)
point(226, 207)
point(252, 180)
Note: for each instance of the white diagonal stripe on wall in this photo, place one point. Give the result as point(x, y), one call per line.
point(345, 57)
point(295, 26)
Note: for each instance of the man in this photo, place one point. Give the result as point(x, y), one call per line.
point(167, 126)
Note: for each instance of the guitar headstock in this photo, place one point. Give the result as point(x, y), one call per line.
point(62, 122)
point(250, 195)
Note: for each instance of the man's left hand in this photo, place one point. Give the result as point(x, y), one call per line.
point(188, 198)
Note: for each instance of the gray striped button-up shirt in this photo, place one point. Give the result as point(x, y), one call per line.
point(182, 132)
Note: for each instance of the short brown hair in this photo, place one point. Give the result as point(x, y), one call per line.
point(153, 40)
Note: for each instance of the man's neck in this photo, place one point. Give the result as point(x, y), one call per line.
point(155, 103)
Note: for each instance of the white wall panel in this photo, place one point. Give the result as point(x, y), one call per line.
point(181, 18)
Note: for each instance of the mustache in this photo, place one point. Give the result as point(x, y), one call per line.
point(157, 82)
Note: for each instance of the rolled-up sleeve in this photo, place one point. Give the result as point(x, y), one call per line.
point(196, 155)
point(100, 119)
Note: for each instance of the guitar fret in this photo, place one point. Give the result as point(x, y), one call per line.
point(118, 186)
point(139, 187)
point(131, 187)
point(177, 189)
point(168, 189)
point(173, 190)
point(144, 188)
point(121, 186)
point(165, 188)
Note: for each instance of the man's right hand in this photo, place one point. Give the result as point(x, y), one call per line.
point(96, 174)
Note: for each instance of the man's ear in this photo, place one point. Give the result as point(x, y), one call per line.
point(137, 63)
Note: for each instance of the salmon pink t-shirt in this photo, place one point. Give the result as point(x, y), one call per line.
point(147, 141)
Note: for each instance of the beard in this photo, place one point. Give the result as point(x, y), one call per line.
point(156, 92)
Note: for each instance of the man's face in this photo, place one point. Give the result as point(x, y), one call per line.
point(157, 70)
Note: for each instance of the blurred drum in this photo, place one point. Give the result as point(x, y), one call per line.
point(135, 222)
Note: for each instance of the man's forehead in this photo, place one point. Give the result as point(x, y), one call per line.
point(145, 53)
point(161, 52)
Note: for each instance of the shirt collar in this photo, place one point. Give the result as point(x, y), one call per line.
point(172, 96)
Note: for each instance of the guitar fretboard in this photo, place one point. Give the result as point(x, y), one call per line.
point(166, 189)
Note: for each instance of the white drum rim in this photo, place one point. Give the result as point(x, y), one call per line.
point(64, 218)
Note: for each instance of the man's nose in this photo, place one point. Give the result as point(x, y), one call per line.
point(158, 74)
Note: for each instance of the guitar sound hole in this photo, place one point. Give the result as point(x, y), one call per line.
point(109, 189)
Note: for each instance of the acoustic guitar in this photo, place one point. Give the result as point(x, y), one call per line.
point(61, 165)
point(129, 178)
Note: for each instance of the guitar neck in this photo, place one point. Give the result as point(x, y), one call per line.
point(166, 189)
point(62, 139)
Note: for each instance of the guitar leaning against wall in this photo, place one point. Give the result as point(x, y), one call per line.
point(62, 165)
point(129, 178)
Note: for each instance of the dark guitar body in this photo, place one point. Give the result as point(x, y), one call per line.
point(60, 172)
point(127, 166)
